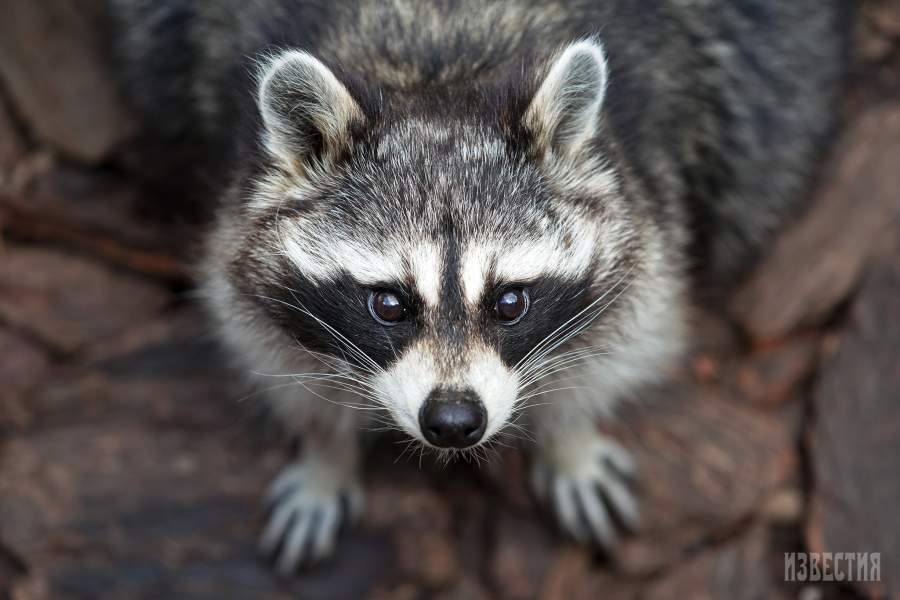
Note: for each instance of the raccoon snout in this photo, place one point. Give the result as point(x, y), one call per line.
point(452, 418)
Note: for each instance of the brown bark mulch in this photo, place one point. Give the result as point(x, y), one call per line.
point(131, 463)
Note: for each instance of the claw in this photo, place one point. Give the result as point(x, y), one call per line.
point(587, 482)
point(307, 504)
point(597, 518)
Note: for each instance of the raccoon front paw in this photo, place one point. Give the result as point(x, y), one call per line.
point(587, 481)
point(310, 501)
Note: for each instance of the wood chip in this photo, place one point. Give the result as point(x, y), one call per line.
point(69, 302)
point(77, 109)
point(814, 265)
point(855, 441)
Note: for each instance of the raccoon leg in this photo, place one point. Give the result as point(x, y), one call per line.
point(316, 494)
point(586, 479)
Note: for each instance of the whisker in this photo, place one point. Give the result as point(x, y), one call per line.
point(350, 382)
point(265, 390)
point(338, 335)
point(366, 407)
point(559, 366)
point(548, 339)
point(367, 362)
point(540, 369)
point(575, 330)
point(560, 389)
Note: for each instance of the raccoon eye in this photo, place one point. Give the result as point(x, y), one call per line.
point(386, 307)
point(511, 306)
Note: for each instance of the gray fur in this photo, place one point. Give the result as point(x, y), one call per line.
point(612, 157)
point(720, 104)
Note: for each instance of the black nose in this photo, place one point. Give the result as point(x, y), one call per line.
point(452, 418)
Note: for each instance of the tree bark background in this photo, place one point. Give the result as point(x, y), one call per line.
point(131, 465)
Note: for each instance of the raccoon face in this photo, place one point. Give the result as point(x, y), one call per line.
point(434, 262)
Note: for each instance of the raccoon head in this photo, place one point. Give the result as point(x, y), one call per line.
point(443, 256)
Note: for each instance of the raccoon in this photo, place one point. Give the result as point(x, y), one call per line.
point(473, 219)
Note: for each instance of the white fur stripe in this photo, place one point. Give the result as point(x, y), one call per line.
point(473, 271)
point(495, 384)
point(525, 261)
point(426, 268)
point(323, 260)
point(323, 263)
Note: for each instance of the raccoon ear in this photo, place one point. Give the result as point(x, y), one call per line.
point(564, 113)
point(306, 111)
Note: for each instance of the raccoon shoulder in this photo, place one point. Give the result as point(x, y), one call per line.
point(726, 110)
